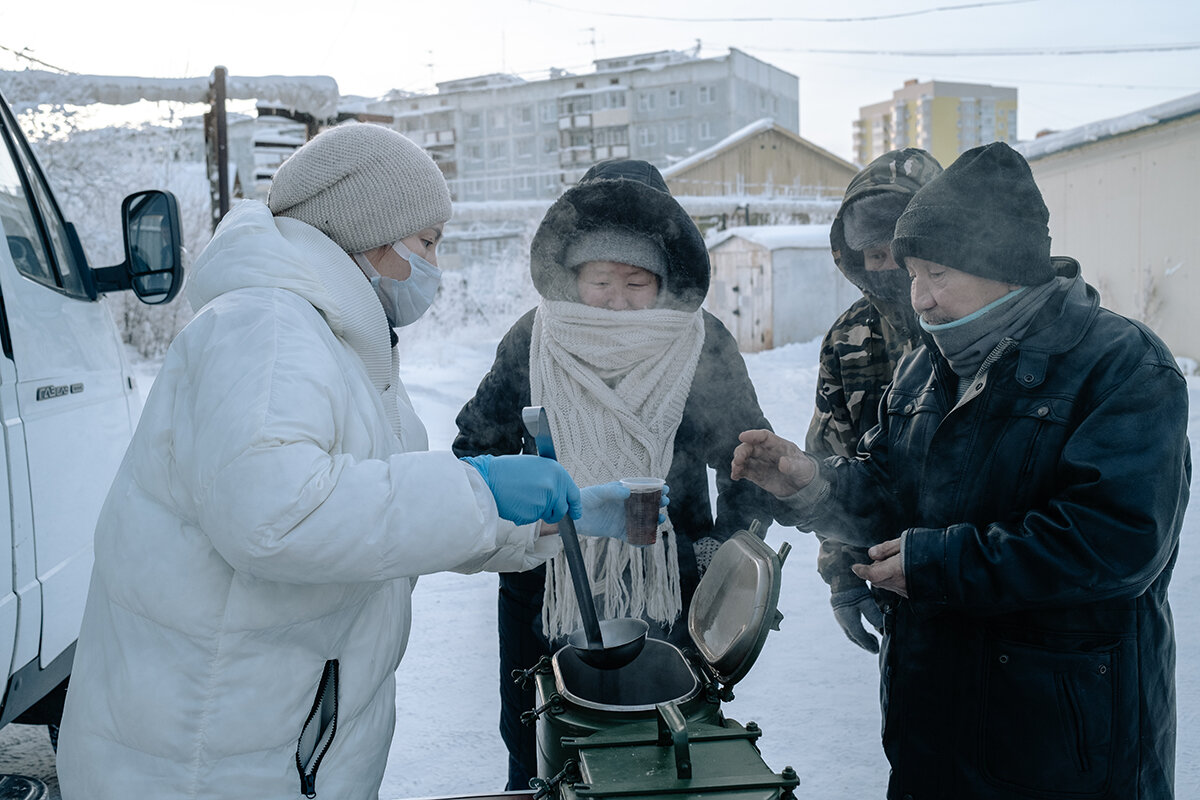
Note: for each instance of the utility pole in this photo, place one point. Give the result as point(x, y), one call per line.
point(216, 136)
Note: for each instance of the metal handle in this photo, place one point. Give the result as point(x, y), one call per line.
point(583, 591)
point(538, 424)
point(672, 730)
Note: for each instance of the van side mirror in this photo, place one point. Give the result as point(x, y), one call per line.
point(153, 266)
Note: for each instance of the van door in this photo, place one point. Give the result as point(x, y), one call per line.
point(8, 594)
point(73, 392)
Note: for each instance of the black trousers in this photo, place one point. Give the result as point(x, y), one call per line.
point(522, 643)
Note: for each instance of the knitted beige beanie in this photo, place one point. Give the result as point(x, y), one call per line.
point(362, 185)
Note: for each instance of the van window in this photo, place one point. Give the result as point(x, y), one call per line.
point(22, 194)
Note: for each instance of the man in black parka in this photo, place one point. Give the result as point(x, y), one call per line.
point(1023, 492)
point(634, 375)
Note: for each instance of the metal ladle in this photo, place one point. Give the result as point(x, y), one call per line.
point(603, 644)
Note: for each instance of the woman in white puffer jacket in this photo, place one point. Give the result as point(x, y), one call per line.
point(256, 554)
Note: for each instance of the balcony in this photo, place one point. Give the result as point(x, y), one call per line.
point(443, 138)
point(573, 121)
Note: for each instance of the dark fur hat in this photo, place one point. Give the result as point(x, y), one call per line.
point(633, 197)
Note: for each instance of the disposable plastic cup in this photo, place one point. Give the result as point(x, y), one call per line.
point(641, 510)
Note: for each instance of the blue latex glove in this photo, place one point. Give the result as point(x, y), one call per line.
point(604, 510)
point(528, 488)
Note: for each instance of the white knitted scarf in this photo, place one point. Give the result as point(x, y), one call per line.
point(614, 385)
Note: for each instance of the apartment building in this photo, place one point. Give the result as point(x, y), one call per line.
point(500, 137)
point(944, 118)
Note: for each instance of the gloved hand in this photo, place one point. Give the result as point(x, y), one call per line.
point(528, 488)
point(604, 510)
point(849, 608)
point(705, 548)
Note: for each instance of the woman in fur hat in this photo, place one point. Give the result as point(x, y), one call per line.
point(637, 380)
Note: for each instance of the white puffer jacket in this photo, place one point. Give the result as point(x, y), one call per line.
point(261, 541)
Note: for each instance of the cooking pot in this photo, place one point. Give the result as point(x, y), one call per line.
point(616, 732)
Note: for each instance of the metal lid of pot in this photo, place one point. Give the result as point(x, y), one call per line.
point(736, 604)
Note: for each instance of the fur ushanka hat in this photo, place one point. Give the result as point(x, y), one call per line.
point(631, 199)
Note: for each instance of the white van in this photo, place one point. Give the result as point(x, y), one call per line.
point(68, 406)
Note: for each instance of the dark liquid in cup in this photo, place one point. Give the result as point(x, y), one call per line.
point(641, 517)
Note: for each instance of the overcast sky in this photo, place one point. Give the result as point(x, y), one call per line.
point(372, 46)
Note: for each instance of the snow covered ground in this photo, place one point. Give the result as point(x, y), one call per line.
point(814, 694)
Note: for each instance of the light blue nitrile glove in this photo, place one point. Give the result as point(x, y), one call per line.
point(604, 510)
point(528, 488)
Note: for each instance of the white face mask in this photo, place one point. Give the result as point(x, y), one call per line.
point(404, 301)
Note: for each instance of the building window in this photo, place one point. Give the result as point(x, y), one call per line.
point(704, 129)
point(674, 98)
point(474, 121)
point(548, 111)
point(574, 105)
point(497, 151)
point(524, 183)
point(677, 133)
point(647, 137)
point(525, 147)
point(499, 120)
point(706, 94)
point(525, 115)
point(610, 100)
point(549, 144)
point(614, 135)
point(474, 152)
point(645, 101)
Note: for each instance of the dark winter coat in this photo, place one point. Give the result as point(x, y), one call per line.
point(862, 348)
point(1035, 656)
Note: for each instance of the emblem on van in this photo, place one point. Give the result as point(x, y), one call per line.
point(49, 392)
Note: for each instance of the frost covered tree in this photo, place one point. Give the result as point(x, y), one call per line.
point(92, 169)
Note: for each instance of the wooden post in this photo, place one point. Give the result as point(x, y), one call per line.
point(216, 136)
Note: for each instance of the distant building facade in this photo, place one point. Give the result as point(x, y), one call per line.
point(943, 118)
point(500, 137)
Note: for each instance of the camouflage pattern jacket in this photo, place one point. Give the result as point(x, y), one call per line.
point(861, 350)
point(858, 357)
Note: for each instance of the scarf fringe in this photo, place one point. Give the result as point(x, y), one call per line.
point(614, 384)
point(641, 582)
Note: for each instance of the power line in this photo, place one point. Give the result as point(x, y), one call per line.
point(872, 18)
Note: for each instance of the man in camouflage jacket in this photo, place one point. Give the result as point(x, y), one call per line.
point(861, 350)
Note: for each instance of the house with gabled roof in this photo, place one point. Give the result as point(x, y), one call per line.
point(764, 174)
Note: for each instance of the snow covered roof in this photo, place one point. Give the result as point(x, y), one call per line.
point(756, 127)
point(1107, 128)
point(775, 237)
point(316, 95)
